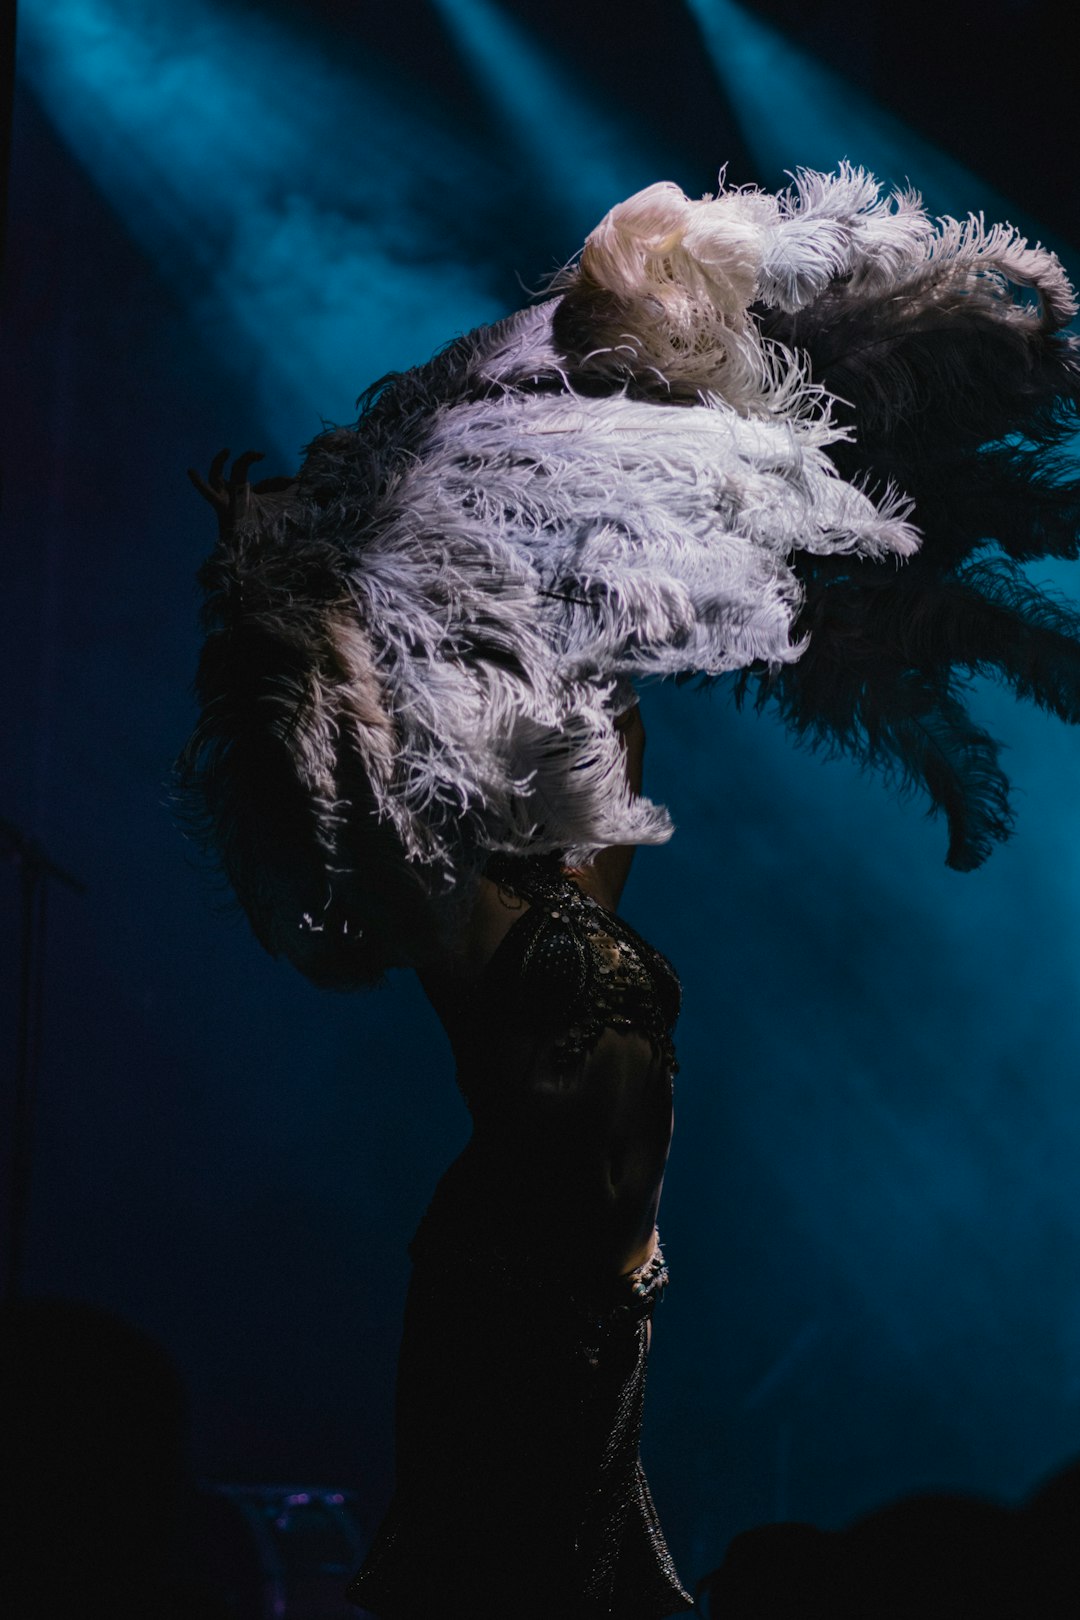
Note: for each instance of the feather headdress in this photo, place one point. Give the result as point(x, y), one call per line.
point(706, 453)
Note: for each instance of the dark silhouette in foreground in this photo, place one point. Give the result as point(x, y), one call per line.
point(96, 1497)
point(928, 1557)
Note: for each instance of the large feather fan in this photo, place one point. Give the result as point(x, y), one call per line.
point(713, 450)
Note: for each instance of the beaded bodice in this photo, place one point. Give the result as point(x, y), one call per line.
point(568, 969)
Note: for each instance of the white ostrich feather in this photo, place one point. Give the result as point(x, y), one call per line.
point(613, 485)
point(592, 539)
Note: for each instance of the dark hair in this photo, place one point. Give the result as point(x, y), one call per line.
point(274, 782)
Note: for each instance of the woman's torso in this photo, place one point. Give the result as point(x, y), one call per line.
point(562, 1031)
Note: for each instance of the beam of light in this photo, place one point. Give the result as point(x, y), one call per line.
point(585, 158)
point(292, 203)
point(794, 111)
point(973, 1090)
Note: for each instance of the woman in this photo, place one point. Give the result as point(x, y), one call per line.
point(537, 1266)
point(419, 747)
point(536, 1269)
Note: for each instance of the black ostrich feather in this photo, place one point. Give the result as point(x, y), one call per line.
point(962, 392)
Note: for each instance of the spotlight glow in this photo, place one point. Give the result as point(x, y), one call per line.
point(584, 157)
point(293, 203)
point(795, 111)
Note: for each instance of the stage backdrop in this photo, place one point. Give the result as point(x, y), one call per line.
point(227, 219)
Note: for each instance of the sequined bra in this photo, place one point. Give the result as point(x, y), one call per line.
point(569, 969)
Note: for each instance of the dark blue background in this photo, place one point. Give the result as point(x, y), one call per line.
point(226, 220)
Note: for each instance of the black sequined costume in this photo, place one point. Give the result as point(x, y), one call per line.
point(520, 1492)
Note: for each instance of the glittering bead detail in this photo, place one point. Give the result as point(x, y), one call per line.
point(584, 969)
point(650, 1279)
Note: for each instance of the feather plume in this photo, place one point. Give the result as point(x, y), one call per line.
point(705, 455)
point(962, 393)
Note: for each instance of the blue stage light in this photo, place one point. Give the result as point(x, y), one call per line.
point(285, 195)
point(583, 156)
point(794, 110)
